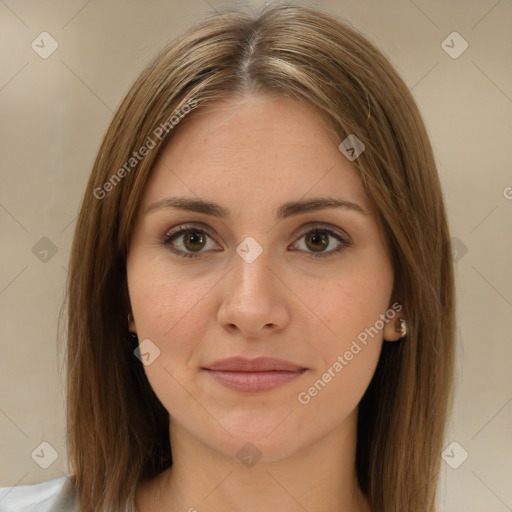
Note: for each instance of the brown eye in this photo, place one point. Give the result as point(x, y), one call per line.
point(194, 240)
point(317, 241)
point(189, 242)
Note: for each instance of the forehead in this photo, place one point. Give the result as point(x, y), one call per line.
point(259, 147)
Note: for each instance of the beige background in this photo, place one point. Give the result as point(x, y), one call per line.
point(53, 115)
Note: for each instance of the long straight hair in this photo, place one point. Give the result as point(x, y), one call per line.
point(118, 431)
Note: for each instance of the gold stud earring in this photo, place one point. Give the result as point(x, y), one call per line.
point(402, 328)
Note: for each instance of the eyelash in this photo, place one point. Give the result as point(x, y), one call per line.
point(172, 236)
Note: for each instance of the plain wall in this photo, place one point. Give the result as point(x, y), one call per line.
point(54, 112)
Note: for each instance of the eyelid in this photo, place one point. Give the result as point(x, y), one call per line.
point(323, 226)
point(188, 225)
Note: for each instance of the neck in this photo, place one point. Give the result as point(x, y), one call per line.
point(315, 478)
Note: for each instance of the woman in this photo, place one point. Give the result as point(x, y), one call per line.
point(261, 298)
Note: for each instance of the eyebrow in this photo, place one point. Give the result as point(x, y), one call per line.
point(286, 210)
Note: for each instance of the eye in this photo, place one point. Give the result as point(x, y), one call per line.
point(191, 242)
point(319, 239)
point(188, 238)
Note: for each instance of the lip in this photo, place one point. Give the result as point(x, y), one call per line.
point(259, 364)
point(253, 375)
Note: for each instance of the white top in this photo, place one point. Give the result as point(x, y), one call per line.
point(57, 495)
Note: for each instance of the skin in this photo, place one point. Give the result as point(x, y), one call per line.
point(250, 155)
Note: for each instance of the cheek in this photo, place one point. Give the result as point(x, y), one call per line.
point(335, 392)
point(349, 350)
point(170, 310)
point(165, 300)
point(350, 310)
point(345, 307)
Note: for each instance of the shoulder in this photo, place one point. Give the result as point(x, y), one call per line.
point(57, 494)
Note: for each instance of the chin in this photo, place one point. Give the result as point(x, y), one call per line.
point(269, 439)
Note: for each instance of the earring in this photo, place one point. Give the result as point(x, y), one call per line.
point(402, 327)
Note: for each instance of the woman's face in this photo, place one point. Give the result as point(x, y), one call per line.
point(258, 275)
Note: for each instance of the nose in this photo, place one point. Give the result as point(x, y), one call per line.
point(254, 300)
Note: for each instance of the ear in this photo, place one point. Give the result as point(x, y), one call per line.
point(131, 324)
point(392, 328)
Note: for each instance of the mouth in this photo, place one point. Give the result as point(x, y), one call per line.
point(253, 375)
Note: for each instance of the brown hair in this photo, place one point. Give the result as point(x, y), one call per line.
point(117, 428)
